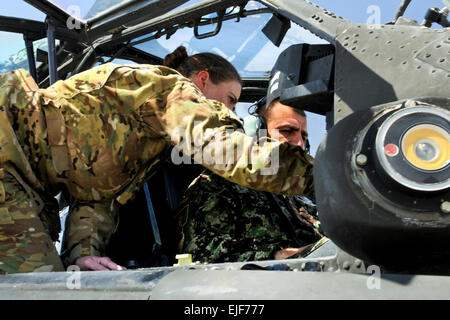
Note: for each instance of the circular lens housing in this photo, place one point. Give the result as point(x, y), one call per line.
point(423, 136)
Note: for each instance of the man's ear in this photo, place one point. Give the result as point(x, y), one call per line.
point(201, 78)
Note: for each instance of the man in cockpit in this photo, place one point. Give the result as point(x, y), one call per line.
point(224, 222)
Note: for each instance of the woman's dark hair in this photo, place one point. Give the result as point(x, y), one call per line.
point(219, 69)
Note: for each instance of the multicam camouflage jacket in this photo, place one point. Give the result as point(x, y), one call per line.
point(221, 221)
point(100, 132)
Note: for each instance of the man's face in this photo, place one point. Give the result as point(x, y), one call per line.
point(291, 126)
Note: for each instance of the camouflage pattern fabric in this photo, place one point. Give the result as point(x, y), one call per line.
point(93, 223)
point(29, 220)
point(100, 132)
point(224, 222)
point(25, 244)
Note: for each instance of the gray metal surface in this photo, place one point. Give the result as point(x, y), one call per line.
point(212, 284)
point(379, 64)
point(310, 16)
point(285, 285)
point(91, 285)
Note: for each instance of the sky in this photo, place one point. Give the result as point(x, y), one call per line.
point(361, 11)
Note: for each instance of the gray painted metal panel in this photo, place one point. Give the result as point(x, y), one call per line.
point(285, 285)
point(92, 285)
point(211, 284)
point(380, 64)
point(310, 16)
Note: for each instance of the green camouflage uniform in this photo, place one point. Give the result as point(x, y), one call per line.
point(224, 222)
point(98, 134)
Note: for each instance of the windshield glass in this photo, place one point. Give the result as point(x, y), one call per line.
point(14, 56)
point(21, 9)
point(86, 9)
point(251, 52)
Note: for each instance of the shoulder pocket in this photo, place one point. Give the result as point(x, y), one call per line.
point(86, 81)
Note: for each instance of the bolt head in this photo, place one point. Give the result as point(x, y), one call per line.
point(291, 76)
point(346, 265)
point(361, 159)
point(445, 207)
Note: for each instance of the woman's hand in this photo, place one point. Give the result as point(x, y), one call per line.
point(97, 263)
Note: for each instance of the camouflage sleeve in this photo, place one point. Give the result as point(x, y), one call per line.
point(213, 135)
point(89, 226)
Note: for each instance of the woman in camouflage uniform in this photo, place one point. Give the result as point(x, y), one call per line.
point(98, 134)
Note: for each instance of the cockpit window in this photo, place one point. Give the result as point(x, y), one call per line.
point(251, 52)
point(86, 9)
point(14, 55)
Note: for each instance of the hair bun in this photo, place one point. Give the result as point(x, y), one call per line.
point(174, 59)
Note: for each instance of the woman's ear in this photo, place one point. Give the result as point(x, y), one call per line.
point(200, 79)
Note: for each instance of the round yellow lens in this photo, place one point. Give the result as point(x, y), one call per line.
point(427, 147)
